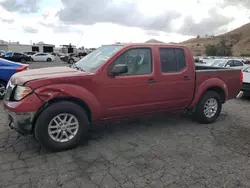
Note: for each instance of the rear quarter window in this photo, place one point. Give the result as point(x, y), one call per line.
point(172, 59)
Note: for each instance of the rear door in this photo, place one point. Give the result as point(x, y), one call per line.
point(174, 87)
point(43, 57)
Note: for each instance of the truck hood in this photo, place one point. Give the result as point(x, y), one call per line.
point(43, 73)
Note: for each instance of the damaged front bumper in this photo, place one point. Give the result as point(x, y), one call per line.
point(21, 122)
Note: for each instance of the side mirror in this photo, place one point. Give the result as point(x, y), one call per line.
point(119, 69)
point(228, 66)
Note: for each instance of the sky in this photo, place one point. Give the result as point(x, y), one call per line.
point(91, 23)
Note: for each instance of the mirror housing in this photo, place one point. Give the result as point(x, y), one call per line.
point(228, 66)
point(119, 69)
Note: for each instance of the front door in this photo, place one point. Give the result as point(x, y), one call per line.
point(129, 93)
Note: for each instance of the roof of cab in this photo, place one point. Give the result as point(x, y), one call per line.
point(148, 45)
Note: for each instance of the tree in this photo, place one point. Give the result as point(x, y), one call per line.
point(210, 50)
point(198, 37)
point(221, 49)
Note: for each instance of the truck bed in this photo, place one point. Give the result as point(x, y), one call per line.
point(231, 77)
point(204, 67)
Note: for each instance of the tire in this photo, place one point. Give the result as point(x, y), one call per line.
point(71, 61)
point(42, 125)
point(2, 89)
point(199, 114)
point(49, 60)
point(23, 61)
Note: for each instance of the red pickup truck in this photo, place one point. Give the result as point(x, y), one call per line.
point(59, 104)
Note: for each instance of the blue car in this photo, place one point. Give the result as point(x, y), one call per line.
point(7, 69)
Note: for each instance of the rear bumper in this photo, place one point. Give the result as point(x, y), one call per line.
point(246, 89)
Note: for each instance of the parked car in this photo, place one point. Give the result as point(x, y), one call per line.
point(232, 63)
point(2, 52)
point(29, 53)
point(16, 57)
point(247, 61)
point(43, 57)
point(246, 82)
point(7, 69)
point(64, 57)
point(75, 57)
point(60, 104)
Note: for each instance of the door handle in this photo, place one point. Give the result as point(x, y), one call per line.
point(151, 80)
point(187, 78)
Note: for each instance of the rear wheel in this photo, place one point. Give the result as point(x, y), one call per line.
point(2, 89)
point(208, 108)
point(49, 60)
point(61, 126)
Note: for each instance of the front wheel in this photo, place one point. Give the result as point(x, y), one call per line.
point(71, 61)
point(208, 108)
point(61, 126)
point(23, 61)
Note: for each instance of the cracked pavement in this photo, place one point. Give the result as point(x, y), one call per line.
point(154, 151)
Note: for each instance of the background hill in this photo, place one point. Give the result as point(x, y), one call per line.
point(239, 38)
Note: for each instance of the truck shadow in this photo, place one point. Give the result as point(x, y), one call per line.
point(140, 124)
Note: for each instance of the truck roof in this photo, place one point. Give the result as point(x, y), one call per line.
point(148, 44)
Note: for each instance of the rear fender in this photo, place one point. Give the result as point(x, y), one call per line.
point(206, 85)
point(47, 93)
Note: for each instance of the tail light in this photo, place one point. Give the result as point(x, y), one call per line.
point(19, 69)
point(241, 78)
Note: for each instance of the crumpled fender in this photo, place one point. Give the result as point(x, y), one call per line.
point(47, 93)
point(200, 89)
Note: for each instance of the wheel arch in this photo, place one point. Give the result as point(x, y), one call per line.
point(212, 84)
point(75, 100)
point(218, 90)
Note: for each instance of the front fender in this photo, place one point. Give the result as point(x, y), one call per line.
point(47, 93)
point(204, 86)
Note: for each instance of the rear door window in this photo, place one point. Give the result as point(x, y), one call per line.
point(172, 59)
point(238, 63)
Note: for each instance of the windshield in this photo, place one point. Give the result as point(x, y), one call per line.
point(95, 59)
point(219, 63)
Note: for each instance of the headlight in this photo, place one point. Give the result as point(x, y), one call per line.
point(21, 92)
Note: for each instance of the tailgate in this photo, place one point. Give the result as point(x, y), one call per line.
point(231, 77)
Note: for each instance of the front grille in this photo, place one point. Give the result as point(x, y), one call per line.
point(9, 90)
point(246, 86)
